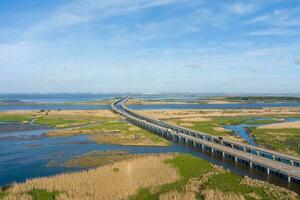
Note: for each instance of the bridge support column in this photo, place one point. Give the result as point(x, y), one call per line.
point(194, 143)
point(268, 171)
point(292, 162)
point(202, 146)
point(289, 179)
point(212, 150)
point(258, 153)
point(244, 148)
point(274, 158)
point(236, 159)
point(250, 163)
point(223, 154)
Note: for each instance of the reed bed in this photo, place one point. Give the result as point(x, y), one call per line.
point(105, 183)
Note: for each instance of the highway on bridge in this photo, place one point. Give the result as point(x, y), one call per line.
point(271, 161)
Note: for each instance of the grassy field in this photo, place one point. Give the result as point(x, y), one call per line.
point(200, 180)
point(102, 126)
point(3, 194)
point(151, 177)
point(284, 140)
point(58, 119)
point(115, 132)
point(38, 194)
point(214, 125)
point(15, 118)
point(98, 158)
point(283, 137)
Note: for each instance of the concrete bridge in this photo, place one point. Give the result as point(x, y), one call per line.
point(269, 161)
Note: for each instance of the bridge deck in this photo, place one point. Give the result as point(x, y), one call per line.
point(293, 160)
point(269, 164)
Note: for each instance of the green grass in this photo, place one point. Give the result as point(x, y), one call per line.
point(188, 167)
point(55, 121)
point(38, 194)
point(266, 121)
point(208, 126)
point(15, 118)
point(64, 122)
point(124, 127)
point(98, 158)
point(3, 194)
point(284, 140)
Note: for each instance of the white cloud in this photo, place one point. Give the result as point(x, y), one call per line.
point(242, 9)
point(297, 61)
point(17, 53)
point(78, 12)
point(282, 17)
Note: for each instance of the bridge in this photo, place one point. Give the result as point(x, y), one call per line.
point(286, 166)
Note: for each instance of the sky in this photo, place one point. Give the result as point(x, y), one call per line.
point(150, 46)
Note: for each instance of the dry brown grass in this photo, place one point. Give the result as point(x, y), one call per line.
point(70, 113)
point(204, 113)
point(274, 191)
point(210, 194)
point(186, 124)
point(281, 125)
point(104, 183)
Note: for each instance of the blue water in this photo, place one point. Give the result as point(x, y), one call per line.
point(241, 129)
point(148, 107)
point(27, 154)
point(57, 98)
point(242, 132)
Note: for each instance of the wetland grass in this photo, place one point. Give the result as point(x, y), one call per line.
point(152, 177)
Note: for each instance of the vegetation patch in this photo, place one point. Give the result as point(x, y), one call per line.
point(15, 118)
point(211, 126)
point(264, 121)
point(39, 194)
point(201, 180)
point(230, 183)
point(98, 158)
point(188, 167)
point(284, 140)
point(115, 132)
point(104, 182)
point(3, 194)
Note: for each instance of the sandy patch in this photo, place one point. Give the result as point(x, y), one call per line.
point(281, 125)
point(134, 128)
point(186, 124)
point(220, 129)
point(94, 113)
point(196, 119)
point(220, 102)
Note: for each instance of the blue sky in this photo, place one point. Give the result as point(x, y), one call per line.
point(150, 46)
